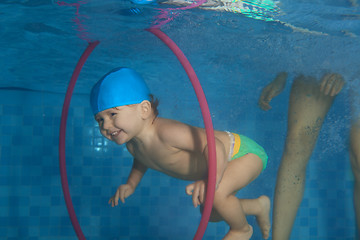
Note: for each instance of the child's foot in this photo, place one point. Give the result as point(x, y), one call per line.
point(263, 218)
point(236, 235)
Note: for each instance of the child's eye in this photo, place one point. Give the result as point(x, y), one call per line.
point(112, 114)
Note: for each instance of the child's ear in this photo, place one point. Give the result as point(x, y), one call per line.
point(145, 108)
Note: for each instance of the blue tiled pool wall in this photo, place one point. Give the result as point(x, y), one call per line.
point(32, 204)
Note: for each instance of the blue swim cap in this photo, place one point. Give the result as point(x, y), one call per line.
point(119, 87)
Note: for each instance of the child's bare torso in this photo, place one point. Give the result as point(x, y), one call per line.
point(177, 149)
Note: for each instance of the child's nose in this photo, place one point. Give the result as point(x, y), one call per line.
point(106, 125)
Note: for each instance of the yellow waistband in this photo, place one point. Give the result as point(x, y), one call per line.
point(237, 144)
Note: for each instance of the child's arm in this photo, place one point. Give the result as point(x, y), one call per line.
point(198, 188)
point(125, 190)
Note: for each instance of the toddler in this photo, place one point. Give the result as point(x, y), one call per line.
point(127, 114)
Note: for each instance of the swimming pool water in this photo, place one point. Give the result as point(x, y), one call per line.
point(234, 57)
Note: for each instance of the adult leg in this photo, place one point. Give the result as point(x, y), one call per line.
point(307, 110)
point(355, 164)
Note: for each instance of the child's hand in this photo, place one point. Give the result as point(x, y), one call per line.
point(197, 190)
point(123, 192)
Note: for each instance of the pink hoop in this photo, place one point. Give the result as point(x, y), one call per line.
point(207, 121)
point(210, 191)
point(62, 137)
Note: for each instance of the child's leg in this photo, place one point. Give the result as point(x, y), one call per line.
point(239, 173)
point(260, 209)
point(307, 110)
point(355, 163)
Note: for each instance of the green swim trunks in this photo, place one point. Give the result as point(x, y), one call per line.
point(242, 145)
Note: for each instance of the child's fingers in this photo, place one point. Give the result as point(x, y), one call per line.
point(122, 196)
point(198, 193)
point(189, 189)
point(116, 197)
point(202, 195)
point(195, 197)
point(111, 202)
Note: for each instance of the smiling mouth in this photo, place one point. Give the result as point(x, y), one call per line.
point(115, 133)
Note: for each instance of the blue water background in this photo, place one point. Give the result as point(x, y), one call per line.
point(234, 57)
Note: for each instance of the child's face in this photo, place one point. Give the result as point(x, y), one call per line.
point(120, 124)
